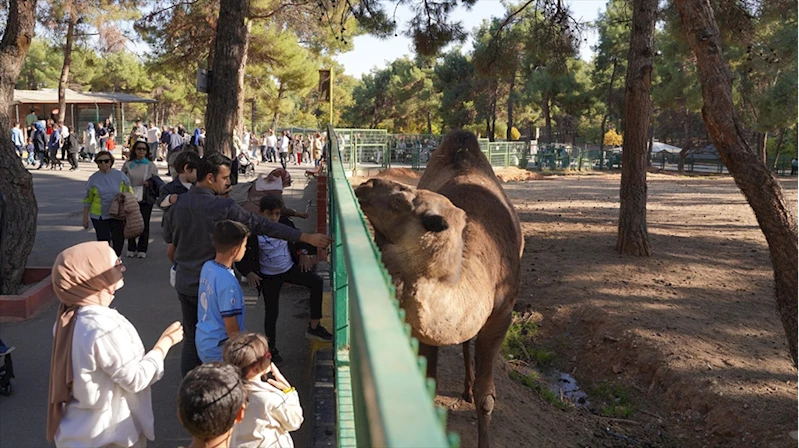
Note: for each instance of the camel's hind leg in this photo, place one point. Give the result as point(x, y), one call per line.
point(431, 353)
point(468, 382)
point(487, 346)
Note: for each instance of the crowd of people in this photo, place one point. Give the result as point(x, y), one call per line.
point(233, 393)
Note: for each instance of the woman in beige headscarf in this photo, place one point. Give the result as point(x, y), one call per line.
point(100, 376)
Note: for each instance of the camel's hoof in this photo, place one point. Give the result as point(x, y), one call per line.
point(468, 397)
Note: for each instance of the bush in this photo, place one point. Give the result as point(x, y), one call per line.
point(515, 134)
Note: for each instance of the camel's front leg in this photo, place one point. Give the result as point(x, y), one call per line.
point(431, 353)
point(487, 346)
point(468, 381)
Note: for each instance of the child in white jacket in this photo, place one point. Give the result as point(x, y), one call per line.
point(274, 406)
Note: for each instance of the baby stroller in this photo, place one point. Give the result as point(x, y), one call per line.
point(83, 155)
point(6, 370)
point(246, 165)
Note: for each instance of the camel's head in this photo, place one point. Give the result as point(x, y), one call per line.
point(413, 225)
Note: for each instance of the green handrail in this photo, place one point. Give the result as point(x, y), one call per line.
point(384, 399)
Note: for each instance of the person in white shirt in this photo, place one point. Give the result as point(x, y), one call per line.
point(245, 141)
point(284, 148)
point(273, 406)
point(100, 376)
point(64, 130)
point(153, 138)
point(271, 146)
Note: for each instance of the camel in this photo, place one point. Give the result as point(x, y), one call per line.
point(453, 248)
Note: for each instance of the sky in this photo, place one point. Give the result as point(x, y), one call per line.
point(370, 52)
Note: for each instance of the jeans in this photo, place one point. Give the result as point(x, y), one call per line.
point(188, 354)
point(283, 157)
point(153, 150)
point(143, 239)
point(18, 149)
point(110, 230)
point(270, 288)
point(73, 160)
point(54, 158)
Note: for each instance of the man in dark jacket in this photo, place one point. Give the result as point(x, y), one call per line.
point(72, 147)
point(40, 144)
point(188, 227)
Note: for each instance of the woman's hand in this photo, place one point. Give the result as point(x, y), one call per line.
point(85, 222)
point(305, 263)
point(145, 183)
point(280, 381)
point(171, 336)
point(253, 280)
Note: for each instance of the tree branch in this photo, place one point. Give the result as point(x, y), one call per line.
point(163, 10)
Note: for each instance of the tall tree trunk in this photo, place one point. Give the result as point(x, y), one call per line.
point(240, 100)
point(686, 143)
point(62, 82)
point(608, 105)
point(222, 110)
point(761, 189)
point(762, 147)
point(547, 119)
point(633, 237)
point(651, 142)
point(16, 183)
point(276, 116)
point(429, 123)
point(510, 105)
point(778, 148)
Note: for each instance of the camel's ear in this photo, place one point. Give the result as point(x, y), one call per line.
point(434, 223)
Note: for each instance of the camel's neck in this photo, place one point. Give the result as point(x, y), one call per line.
point(444, 298)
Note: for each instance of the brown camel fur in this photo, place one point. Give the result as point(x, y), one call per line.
point(453, 247)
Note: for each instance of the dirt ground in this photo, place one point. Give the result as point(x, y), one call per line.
point(691, 334)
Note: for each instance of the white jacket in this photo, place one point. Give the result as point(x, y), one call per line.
point(269, 417)
point(111, 401)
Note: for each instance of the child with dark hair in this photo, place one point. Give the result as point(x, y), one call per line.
point(211, 400)
point(270, 262)
point(220, 313)
point(274, 407)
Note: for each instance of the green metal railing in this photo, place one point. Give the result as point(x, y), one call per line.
point(383, 397)
point(376, 148)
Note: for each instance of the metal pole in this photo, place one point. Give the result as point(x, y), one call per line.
point(331, 96)
point(72, 113)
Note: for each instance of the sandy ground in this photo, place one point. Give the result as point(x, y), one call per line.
point(691, 334)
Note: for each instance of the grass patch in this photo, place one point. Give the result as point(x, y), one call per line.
point(531, 381)
point(613, 400)
point(519, 342)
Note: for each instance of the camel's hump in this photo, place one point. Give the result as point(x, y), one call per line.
point(460, 149)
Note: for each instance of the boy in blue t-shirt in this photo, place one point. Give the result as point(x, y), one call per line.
point(220, 313)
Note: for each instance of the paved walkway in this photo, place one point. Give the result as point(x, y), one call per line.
point(148, 301)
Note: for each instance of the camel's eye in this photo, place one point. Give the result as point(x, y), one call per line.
point(399, 202)
point(434, 223)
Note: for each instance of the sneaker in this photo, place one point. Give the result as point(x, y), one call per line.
point(6, 350)
point(319, 333)
point(142, 255)
point(132, 254)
